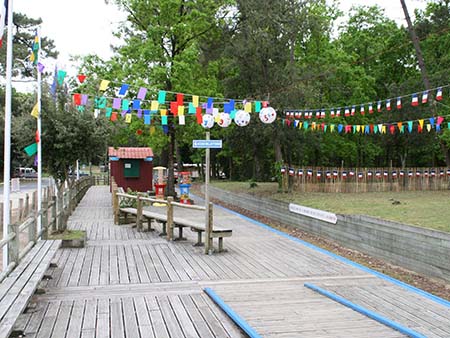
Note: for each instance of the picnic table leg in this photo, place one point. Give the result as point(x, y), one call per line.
point(149, 222)
point(199, 239)
point(220, 244)
point(164, 229)
point(180, 234)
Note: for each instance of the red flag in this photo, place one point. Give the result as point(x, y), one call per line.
point(199, 115)
point(180, 100)
point(77, 99)
point(81, 78)
point(37, 136)
point(174, 108)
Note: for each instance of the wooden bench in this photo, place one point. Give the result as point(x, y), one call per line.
point(180, 223)
point(19, 286)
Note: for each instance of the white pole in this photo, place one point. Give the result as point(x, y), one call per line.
point(39, 129)
point(7, 142)
point(207, 160)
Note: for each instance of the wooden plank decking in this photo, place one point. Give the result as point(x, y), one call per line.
point(136, 284)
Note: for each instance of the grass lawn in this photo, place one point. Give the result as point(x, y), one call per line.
point(430, 209)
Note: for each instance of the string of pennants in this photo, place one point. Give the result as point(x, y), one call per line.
point(350, 110)
point(205, 109)
point(207, 112)
point(360, 175)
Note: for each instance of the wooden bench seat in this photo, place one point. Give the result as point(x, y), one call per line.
point(181, 223)
point(20, 285)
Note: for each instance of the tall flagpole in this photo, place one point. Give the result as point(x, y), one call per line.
point(39, 129)
point(7, 143)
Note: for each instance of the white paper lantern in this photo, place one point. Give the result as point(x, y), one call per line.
point(242, 118)
point(267, 115)
point(224, 120)
point(208, 121)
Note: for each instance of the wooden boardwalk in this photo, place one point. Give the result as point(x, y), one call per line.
point(136, 284)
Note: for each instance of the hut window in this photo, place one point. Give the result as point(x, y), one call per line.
point(131, 168)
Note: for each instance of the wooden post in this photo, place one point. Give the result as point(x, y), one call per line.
point(209, 226)
point(34, 201)
point(21, 211)
point(1, 213)
point(32, 235)
point(14, 244)
point(54, 213)
point(139, 213)
point(115, 206)
point(169, 218)
point(44, 218)
point(27, 205)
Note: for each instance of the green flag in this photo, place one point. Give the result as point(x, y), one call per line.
point(31, 149)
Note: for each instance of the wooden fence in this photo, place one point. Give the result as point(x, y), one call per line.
point(354, 180)
point(23, 231)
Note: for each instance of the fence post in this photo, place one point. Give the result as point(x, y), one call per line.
point(115, 206)
point(208, 239)
point(27, 205)
point(21, 211)
point(54, 213)
point(139, 213)
point(14, 244)
point(32, 236)
point(169, 218)
point(44, 218)
point(1, 213)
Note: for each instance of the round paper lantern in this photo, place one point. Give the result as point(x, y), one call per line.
point(224, 120)
point(267, 115)
point(208, 121)
point(242, 118)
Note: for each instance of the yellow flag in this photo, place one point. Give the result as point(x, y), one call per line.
point(35, 111)
point(332, 128)
point(181, 110)
point(128, 118)
point(421, 123)
point(248, 107)
point(383, 130)
point(152, 130)
point(195, 101)
point(104, 85)
point(300, 125)
point(358, 128)
point(429, 127)
point(154, 106)
point(163, 112)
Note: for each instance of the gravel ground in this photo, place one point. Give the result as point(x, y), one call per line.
point(436, 287)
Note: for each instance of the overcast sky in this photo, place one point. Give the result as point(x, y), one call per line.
point(84, 27)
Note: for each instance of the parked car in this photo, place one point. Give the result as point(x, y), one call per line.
point(23, 172)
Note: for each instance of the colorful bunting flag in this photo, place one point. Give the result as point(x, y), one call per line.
point(425, 96)
point(388, 104)
point(81, 78)
point(414, 100)
point(103, 84)
point(399, 103)
point(123, 89)
point(439, 94)
point(31, 149)
point(35, 111)
point(141, 93)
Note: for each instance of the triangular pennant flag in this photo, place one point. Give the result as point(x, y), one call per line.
point(81, 78)
point(375, 129)
point(388, 104)
point(380, 127)
point(399, 103)
point(392, 129)
point(379, 106)
point(410, 126)
point(383, 129)
point(332, 128)
point(31, 149)
point(421, 123)
point(402, 129)
point(399, 125)
point(429, 127)
point(432, 121)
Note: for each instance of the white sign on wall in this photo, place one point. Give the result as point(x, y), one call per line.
point(127, 165)
point(313, 213)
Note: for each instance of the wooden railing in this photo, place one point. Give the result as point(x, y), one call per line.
point(51, 217)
